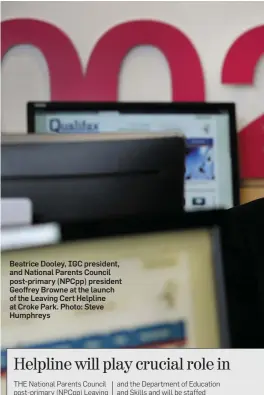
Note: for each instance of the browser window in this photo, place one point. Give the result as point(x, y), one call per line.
point(208, 178)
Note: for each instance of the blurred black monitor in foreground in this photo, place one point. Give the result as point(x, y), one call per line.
point(90, 177)
point(161, 277)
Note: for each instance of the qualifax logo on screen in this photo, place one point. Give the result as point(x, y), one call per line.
point(56, 125)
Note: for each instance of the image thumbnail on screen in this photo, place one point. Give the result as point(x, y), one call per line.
point(200, 159)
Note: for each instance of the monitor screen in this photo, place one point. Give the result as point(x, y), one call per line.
point(211, 173)
point(159, 289)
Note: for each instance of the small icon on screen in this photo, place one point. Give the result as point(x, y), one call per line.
point(198, 201)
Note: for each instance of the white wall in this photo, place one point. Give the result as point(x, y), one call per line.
point(211, 26)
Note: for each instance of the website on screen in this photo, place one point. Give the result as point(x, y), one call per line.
point(208, 176)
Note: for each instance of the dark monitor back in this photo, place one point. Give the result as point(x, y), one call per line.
point(94, 177)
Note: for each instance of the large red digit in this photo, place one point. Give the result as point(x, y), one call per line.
point(100, 82)
point(239, 68)
point(63, 62)
point(105, 62)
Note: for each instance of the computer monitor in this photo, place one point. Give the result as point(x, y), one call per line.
point(157, 283)
point(211, 177)
point(89, 177)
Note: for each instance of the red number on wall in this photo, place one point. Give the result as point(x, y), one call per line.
point(101, 78)
point(239, 69)
point(100, 81)
point(63, 61)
